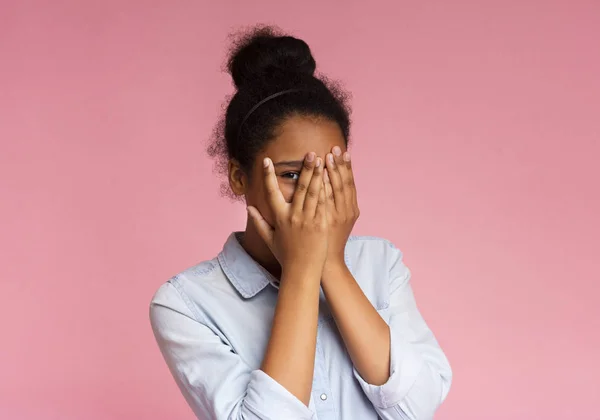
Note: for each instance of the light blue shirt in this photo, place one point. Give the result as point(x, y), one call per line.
point(212, 323)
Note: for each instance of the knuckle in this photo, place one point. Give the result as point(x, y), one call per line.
point(301, 187)
point(312, 193)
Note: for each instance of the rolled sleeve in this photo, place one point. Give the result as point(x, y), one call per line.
point(405, 366)
point(420, 374)
point(268, 399)
point(215, 381)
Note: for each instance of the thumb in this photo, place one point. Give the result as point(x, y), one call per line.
point(262, 226)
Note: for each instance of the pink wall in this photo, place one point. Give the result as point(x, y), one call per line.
point(476, 146)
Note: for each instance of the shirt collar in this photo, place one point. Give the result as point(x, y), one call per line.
point(245, 274)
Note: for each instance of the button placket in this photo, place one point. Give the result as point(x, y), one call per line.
point(321, 388)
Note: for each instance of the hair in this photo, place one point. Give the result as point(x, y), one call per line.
point(263, 62)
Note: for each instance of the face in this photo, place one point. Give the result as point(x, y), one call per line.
point(296, 137)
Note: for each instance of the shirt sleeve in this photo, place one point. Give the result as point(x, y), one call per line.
point(420, 374)
point(215, 381)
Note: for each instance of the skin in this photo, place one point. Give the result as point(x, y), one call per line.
point(297, 136)
point(302, 205)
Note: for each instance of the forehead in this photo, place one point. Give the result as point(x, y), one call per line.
point(300, 135)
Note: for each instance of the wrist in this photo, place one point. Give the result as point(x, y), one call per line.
point(334, 268)
point(335, 260)
point(300, 271)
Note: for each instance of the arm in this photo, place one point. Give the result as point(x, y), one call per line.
point(299, 242)
point(397, 360)
point(294, 337)
point(215, 381)
point(365, 333)
point(401, 369)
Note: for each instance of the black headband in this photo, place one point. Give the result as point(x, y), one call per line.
point(255, 107)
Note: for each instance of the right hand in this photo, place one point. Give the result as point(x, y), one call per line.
point(299, 234)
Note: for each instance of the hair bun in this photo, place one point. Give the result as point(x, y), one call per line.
point(265, 55)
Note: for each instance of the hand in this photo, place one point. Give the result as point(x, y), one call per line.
point(299, 234)
point(341, 203)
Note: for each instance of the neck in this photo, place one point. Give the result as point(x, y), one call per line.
point(259, 251)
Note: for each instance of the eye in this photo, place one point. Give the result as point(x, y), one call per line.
point(291, 175)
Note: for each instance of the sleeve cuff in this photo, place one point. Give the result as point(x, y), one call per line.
point(268, 399)
point(405, 366)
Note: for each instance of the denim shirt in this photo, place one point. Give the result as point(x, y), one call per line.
point(212, 323)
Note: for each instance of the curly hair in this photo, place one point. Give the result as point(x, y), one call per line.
point(263, 61)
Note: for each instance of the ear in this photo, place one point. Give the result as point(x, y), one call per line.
point(238, 181)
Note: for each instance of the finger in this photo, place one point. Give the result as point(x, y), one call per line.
point(336, 183)
point(303, 182)
point(262, 226)
point(348, 180)
point(321, 212)
point(347, 183)
point(338, 156)
point(329, 200)
point(314, 190)
point(274, 196)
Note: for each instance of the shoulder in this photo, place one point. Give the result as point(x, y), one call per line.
point(373, 261)
point(174, 291)
point(372, 248)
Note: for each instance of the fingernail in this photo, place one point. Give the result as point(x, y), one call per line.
point(318, 162)
point(347, 157)
point(266, 162)
point(337, 151)
point(330, 158)
point(310, 157)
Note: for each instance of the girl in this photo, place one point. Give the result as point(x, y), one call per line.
point(295, 319)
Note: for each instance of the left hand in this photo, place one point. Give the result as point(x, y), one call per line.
point(342, 205)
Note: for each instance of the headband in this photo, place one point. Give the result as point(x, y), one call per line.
point(255, 107)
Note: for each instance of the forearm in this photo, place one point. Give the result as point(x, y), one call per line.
point(365, 334)
point(290, 354)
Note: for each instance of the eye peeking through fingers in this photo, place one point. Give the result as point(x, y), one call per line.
point(290, 176)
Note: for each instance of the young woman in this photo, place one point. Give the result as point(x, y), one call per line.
point(294, 319)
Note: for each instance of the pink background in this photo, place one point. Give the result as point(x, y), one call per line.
point(476, 133)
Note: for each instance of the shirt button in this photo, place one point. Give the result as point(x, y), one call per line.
point(323, 397)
